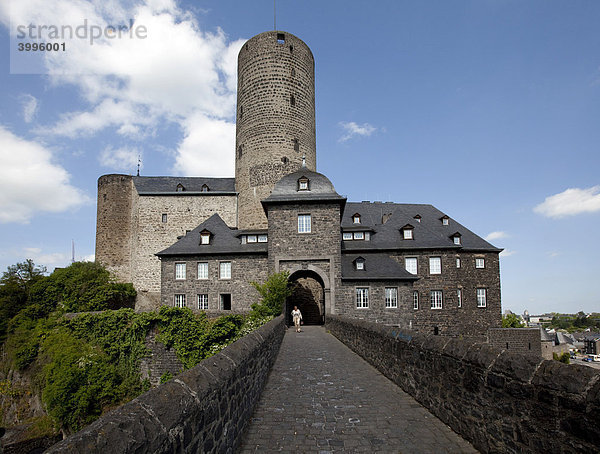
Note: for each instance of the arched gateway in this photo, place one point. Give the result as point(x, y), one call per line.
point(309, 295)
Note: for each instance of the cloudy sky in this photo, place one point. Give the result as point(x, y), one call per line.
point(487, 109)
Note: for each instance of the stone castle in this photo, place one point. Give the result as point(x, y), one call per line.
point(198, 242)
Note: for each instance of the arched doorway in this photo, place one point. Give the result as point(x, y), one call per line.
point(309, 295)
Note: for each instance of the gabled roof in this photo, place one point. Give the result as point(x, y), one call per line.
point(430, 233)
point(377, 267)
point(286, 189)
point(223, 240)
point(192, 185)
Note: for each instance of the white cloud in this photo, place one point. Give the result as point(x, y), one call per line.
point(30, 107)
point(507, 253)
point(178, 74)
point(570, 202)
point(207, 148)
point(496, 236)
point(122, 159)
point(46, 259)
point(353, 129)
point(30, 182)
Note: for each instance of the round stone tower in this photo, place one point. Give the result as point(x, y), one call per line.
point(275, 118)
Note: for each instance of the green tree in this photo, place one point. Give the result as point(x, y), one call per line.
point(512, 321)
point(273, 294)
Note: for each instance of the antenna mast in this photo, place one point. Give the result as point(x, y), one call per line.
point(138, 166)
point(274, 16)
point(72, 251)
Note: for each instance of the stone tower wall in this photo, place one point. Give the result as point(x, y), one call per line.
point(114, 224)
point(275, 118)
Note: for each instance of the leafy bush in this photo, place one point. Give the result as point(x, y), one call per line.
point(563, 358)
point(512, 321)
point(273, 294)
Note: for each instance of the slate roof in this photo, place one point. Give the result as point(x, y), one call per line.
point(192, 185)
point(320, 189)
point(223, 240)
point(377, 267)
point(430, 233)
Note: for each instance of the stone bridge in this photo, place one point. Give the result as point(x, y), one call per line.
point(322, 396)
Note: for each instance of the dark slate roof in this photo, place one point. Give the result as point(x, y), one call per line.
point(430, 233)
point(320, 189)
point(377, 267)
point(193, 185)
point(223, 240)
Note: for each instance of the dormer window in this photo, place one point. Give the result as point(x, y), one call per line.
point(303, 184)
point(204, 188)
point(445, 220)
point(359, 264)
point(456, 239)
point(356, 218)
point(407, 232)
point(205, 237)
point(417, 218)
point(180, 188)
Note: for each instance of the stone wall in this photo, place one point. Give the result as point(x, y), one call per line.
point(205, 409)
point(244, 269)
point(526, 341)
point(499, 400)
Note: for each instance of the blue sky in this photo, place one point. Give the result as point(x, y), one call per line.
point(487, 109)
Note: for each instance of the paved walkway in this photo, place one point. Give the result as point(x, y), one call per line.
point(322, 397)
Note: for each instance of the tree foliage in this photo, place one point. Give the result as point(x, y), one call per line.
point(512, 321)
point(273, 294)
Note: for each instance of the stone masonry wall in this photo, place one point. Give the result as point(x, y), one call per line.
point(244, 269)
point(205, 409)
point(499, 400)
point(526, 341)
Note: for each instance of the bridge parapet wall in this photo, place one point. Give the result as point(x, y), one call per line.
point(204, 409)
point(499, 400)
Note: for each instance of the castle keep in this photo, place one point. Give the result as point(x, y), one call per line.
point(198, 242)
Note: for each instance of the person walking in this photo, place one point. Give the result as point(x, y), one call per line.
point(296, 316)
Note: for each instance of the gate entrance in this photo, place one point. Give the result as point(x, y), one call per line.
point(309, 295)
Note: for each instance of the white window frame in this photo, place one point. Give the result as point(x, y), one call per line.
point(362, 297)
point(408, 268)
point(179, 300)
point(481, 297)
point(459, 296)
point(204, 274)
point(202, 299)
point(437, 299)
point(263, 238)
point(367, 236)
point(356, 219)
point(251, 239)
point(205, 238)
point(225, 270)
point(304, 223)
point(415, 299)
point(360, 264)
point(445, 221)
point(347, 236)
point(391, 297)
point(458, 263)
point(457, 240)
point(435, 265)
point(303, 185)
point(180, 271)
point(479, 263)
point(164, 218)
point(408, 234)
point(359, 235)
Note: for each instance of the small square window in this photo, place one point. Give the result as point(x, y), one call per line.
point(280, 38)
point(303, 184)
point(225, 270)
point(435, 265)
point(445, 220)
point(164, 218)
point(180, 271)
point(479, 263)
point(205, 238)
point(202, 270)
point(408, 234)
point(252, 239)
point(203, 302)
point(356, 218)
point(262, 238)
point(360, 264)
point(304, 223)
point(456, 240)
point(347, 236)
point(410, 263)
point(225, 301)
point(359, 235)
point(179, 300)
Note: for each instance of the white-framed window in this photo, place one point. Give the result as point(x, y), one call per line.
point(251, 239)
point(410, 263)
point(415, 300)
point(458, 263)
point(408, 234)
point(202, 270)
point(356, 219)
point(435, 265)
point(303, 184)
point(164, 218)
point(367, 236)
point(179, 300)
point(203, 302)
point(359, 235)
point(304, 223)
point(391, 297)
point(225, 270)
point(445, 220)
point(436, 299)
point(481, 297)
point(459, 297)
point(180, 271)
point(456, 239)
point(262, 238)
point(479, 263)
point(205, 238)
point(347, 236)
point(360, 264)
point(362, 297)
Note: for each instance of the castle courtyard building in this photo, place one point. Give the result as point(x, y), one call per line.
point(198, 242)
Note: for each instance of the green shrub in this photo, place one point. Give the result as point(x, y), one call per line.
point(273, 294)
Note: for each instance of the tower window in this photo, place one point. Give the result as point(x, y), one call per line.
point(164, 218)
point(240, 151)
point(291, 48)
point(303, 184)
point(293, 72)
point(280, 38)
point(285, 159)
point(296, 144)
point(292, 100)
point(241, 112)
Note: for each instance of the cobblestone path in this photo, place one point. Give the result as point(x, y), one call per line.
point(322, 397)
